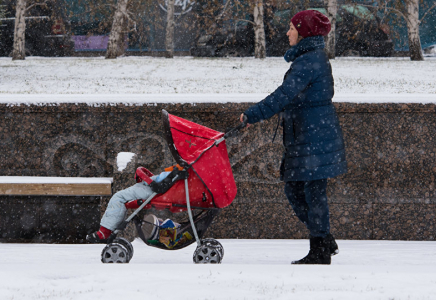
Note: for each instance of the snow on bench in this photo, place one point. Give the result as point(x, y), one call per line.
point(55, 186)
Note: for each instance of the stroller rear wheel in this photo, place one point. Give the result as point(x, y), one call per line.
point(210, 252)
point(115, 253)
point(216, 244)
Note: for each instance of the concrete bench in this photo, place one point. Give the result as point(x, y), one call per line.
point(55, 186)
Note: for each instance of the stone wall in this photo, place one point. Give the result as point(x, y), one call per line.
point(388, 193)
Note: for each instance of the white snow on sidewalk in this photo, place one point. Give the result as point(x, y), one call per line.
point(127, 76)
point(251, 269)
point(152, 99)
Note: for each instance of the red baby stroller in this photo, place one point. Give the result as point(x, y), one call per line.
point(203, 183)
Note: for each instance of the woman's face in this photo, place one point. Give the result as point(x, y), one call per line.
point(293, 35)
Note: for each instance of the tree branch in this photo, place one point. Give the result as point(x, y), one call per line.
point(129, 19)
point(37, 4)
point(224, 10)
point(389, 8)
point(243, 20)
point(428, 10)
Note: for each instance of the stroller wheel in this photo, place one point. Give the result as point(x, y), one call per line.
point(115, 253)
point(126, 244)
point(214, 243)
point(207, 254)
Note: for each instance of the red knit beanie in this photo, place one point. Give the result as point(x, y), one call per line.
point(311, 23)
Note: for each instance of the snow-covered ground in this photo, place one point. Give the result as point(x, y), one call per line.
point(251, 269)
point(188, 79)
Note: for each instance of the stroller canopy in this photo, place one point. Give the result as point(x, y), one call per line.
point(187, 140)
point(192, 145)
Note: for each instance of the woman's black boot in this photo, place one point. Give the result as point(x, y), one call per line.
point(319, 253)
point(334, 249)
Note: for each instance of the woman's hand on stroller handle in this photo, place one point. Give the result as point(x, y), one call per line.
point(244, 120)
point(233, 131)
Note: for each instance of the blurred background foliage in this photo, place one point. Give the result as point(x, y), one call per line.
point(229, 22)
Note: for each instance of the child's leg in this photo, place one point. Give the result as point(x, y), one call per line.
point(116, 210)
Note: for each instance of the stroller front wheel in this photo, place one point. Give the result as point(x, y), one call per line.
point(126, 244)
point(210, 252)
point(119, 251)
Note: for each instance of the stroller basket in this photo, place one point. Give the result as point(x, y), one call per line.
point(202, 221)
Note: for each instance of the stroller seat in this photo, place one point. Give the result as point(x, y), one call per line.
point(172, 194)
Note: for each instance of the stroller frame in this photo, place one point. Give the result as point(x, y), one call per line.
point(208, 250)
point(148, 200)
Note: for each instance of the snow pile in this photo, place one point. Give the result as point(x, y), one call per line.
point(123, 158)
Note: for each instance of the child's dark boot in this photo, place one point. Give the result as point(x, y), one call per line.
point(99, 237)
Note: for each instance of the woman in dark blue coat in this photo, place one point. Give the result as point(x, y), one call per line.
point(312, 136)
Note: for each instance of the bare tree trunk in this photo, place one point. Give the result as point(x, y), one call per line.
point(169, 35)
point(19, 50)
point(259, 30)
point(115, 46)
point(413, 30)
point(332, 10)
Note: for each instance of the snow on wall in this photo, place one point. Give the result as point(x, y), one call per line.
point(123, 158)
point(147, 80)
point(55, 180)
point(151, 99)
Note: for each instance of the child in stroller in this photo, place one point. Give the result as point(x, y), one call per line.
point(116, 209)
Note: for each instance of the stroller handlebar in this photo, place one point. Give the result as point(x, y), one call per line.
point(232, 131)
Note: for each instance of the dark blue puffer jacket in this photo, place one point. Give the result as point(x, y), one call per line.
point(312, 135)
